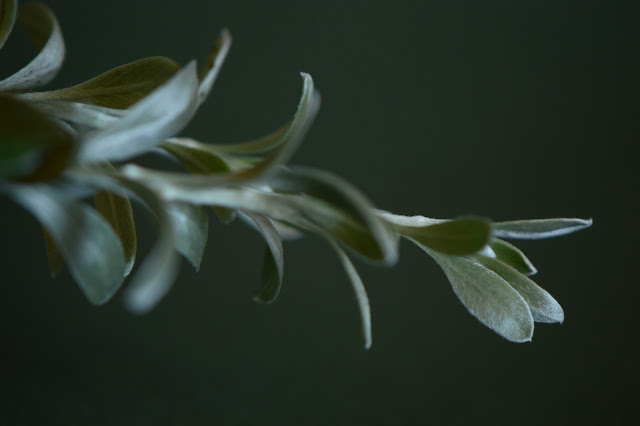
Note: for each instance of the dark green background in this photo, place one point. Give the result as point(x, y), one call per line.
point(438, 108)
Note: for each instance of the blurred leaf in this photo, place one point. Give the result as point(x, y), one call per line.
point(7, 18)
point(359, 290)
point(543, 306)
point(116, 210)
point(539, 228)
point(456, 237)
point(87, 243)
point(32, 147)
point(119, 88)
point(54, 258)
point(273, 261)
point(512, 256)
point(487, 296)
point(43, 29)
point(340, 209)
point(212, 67)
point(155, 118)
point(190, 229)
point(400, 220)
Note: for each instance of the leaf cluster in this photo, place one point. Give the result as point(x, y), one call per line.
point(61, 148)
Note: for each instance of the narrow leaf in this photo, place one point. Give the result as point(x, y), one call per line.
point(212, 67)
point(273, 262)
point(149, 122)
point(117, 211)
point(7, 18)
point(455, 237)
point(359, 290)
point(119, 88)
point(190, 228)
point(400, 220)
point(543, 306)
point(87, 243)
point(32, 147)
point(487, 296)
point(512, 256)
point(43, 29)
point(539, 228)
point(340, 209)
point(257, 146)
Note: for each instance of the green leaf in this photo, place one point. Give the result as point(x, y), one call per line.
point(487, 296)
point(359, 290)
point(191, 229)
point(456, 237)
point(512, 256)
point(539, 228)
point(43, 29)
point(119, 88)
point(340, 209)
point(7, 19)
point(117, 211)
point(212, 67)
point(155, 118)
point(543, 306)
point(273, 261)
point(87, 243)
point(32, 147)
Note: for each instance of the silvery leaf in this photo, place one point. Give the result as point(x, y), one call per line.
point(190, 229)
point(487, 296)
point(43, 29)
point(273, 262)
point(543, 306)
point(149, 122)
point(119, 88)
point(87, 243)
point(535, 229)
point(7, 18)
point(78, 114)
point(212, 67)
point(400, 220)
point(512, 256)
point(359, 290)
point(257, 146)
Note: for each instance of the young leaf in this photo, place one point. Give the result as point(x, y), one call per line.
point(273, 262)
point(487, 296)
point(212, 67)
point(149, 122)
point(359, 290)
point(539, 228)
point(7, 18)
point(43, 29)
point(119, 88)
point(87, 243)
point(456, 237)
point(543, 306)
point(190, 228)
point(340, 209)
point(32, 147)
point(116, 210)
point(512, 256)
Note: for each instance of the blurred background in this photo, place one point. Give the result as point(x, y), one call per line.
point(502, 109)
